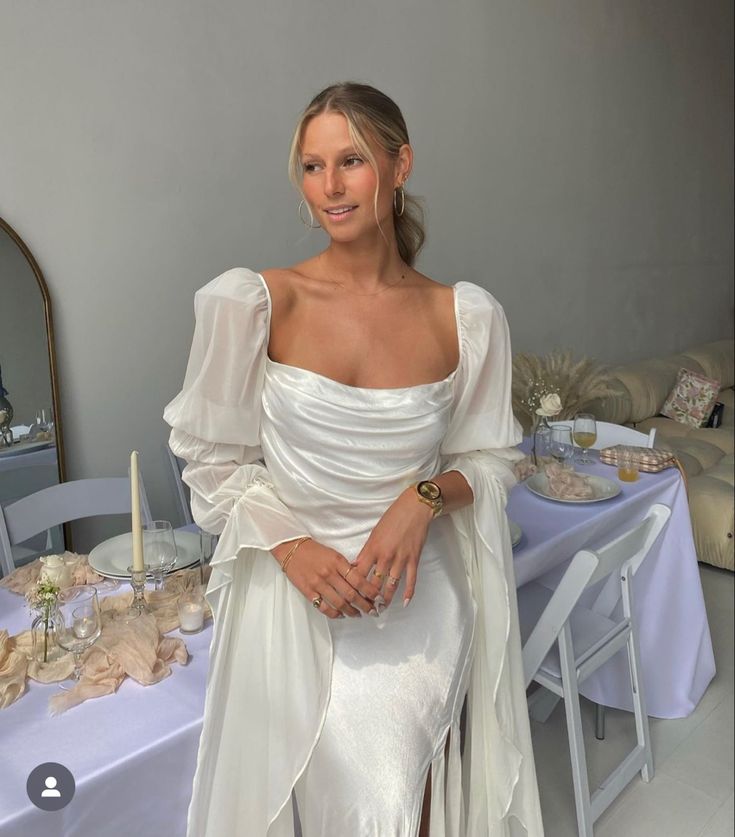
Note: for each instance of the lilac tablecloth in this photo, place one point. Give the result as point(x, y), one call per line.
point(133, 754)
point(676, 649)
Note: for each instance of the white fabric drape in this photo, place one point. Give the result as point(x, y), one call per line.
point(269, 679)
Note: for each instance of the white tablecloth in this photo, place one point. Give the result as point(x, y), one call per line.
point(133, 754)
point(676, 648)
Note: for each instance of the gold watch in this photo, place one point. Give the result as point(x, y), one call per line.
point(428, 492)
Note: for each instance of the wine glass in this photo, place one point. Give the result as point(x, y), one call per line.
point(79, 622)
point(585, 435)
point(159, 549)
point(561, 446)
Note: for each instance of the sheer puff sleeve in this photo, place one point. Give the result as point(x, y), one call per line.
point(270, 657)
point(480, 443)
point(215, 419)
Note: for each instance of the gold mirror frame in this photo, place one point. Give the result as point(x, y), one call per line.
point(49, 345)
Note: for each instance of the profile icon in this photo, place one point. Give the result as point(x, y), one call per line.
point(50, 786)
point(51, 789)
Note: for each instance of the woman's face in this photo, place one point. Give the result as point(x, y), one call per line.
point(339, 185)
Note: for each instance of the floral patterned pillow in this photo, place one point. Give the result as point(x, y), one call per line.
point(692, 398)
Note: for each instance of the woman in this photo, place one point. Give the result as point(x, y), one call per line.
point(347, 428)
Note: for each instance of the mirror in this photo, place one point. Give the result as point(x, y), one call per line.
point(31, 446)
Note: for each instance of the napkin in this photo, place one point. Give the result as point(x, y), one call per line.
point(568, 485)
point(13, 666)
point(135, 649)
point(24, 578)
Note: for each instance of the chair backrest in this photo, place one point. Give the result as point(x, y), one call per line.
point(177, 466)
point(61, 504)
point(609, 434)
point(587, 568)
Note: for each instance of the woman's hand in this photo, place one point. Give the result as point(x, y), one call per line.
point(322, 573)
point(395, 544)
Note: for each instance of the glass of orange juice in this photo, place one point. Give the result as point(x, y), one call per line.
point(627, 465)
point(585, 435)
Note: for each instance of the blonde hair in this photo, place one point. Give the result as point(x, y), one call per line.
point(372, 118)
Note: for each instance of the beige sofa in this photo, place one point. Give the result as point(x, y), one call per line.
point(706, 454)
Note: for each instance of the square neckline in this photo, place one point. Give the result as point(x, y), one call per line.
point(288, 366)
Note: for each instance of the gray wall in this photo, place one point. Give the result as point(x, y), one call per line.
point(575, 157)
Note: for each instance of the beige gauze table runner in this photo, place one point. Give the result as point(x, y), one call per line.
point(136, 649)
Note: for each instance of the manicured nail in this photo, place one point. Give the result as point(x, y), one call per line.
point(374, 612)
point(406, 602)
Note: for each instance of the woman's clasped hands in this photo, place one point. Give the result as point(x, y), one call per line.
point(333, 585)
point(392, 551)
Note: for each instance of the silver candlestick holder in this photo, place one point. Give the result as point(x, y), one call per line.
point(137, 582)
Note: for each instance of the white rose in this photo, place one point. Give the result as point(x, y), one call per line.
point(550, 405)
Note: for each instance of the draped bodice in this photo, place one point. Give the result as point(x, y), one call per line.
point(339, 455)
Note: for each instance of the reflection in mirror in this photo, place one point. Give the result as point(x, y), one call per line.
point(30, 456)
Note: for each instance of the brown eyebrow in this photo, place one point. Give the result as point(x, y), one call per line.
point(343, 152)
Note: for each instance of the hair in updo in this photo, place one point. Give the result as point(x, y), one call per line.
point(372, 118)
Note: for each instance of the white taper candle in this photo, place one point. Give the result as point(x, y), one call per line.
point(135, 507)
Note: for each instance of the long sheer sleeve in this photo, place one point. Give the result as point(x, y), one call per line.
point(270, 657)
point(481, 444)
point(215, 419)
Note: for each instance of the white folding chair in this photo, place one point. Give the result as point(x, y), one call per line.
point(63, 503)
point(182, 497)
point(609, 434)
point(565, 642)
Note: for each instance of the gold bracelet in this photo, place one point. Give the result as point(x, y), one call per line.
point(290, 553)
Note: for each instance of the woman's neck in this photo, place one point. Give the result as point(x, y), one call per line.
point(362, 269)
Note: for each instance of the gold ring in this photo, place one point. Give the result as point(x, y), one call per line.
point(317, 602)
point(348, 572)
point(394, 582)
point(378, 574)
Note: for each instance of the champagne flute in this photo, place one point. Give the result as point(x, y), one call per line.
point(79, 622)
point(561, 446)
point(585, 435)
point(159, 549)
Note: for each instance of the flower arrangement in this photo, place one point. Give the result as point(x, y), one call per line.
point(42, 598)
point(556, 385)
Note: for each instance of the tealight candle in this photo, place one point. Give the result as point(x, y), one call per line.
point(83, 627)
point(191, 616)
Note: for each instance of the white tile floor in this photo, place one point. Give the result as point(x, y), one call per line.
point(691, 794)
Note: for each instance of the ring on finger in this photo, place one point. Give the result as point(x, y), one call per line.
point(348, 572)
point(393, 581)
point(317, 602)
point(378, 574)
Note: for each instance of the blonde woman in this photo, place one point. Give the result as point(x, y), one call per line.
point(348, 430)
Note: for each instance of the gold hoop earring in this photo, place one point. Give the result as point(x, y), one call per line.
point(403, 201)
point(309, 224)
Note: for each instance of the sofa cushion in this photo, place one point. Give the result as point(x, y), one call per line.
point(650, 381)
point(715, 360)
point(706, 454)
point(710, 502)
point(720, 437)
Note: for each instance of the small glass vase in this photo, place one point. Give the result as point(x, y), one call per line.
point(540, 435)
point(44, 648)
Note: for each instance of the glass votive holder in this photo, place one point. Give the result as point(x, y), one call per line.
point(627, 465)
point(191, 610)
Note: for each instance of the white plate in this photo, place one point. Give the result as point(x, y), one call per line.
point(112, 557)
point(604, 489)
point(516, 533)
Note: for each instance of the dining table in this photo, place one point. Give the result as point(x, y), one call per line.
point(133, 753)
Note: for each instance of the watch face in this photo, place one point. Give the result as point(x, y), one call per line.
point(429, 489)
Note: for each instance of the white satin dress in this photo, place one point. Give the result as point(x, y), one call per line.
point(347, 716)
point(338, 457)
